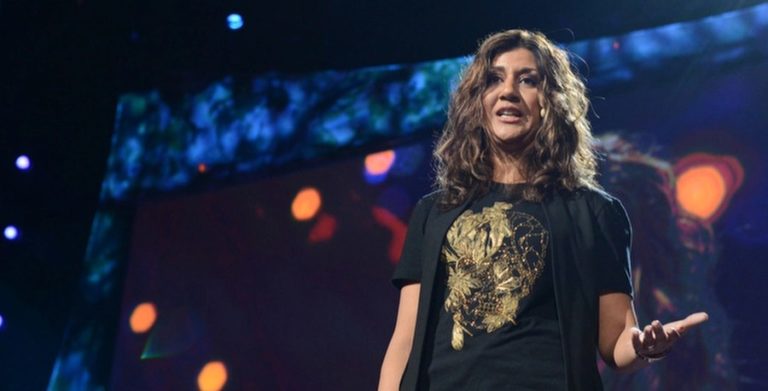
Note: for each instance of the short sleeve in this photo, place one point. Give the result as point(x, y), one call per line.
point(614, 246)
point(409, 268)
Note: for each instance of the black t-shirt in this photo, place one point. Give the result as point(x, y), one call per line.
point(522, 350)
point(495, 318)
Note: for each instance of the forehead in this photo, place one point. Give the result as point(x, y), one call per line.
point(515, 59)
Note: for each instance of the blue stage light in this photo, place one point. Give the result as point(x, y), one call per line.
point(1, 321)
point(235, 21)
point(23, 163)
point(11, 232)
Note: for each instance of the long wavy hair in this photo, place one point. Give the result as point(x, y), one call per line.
point(560, 154)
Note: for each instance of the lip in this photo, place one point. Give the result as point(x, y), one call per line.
point(509, 119)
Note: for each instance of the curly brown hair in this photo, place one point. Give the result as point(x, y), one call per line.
point(560, 153)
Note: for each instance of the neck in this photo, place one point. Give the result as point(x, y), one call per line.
point(507, 170)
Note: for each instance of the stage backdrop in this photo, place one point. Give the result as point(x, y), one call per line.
point(248, 230)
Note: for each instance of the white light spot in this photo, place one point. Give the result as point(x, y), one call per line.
point(11, 233)
point(23, 163)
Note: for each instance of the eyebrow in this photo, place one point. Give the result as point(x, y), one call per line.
point(521, 71)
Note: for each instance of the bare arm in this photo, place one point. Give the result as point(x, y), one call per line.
point(619, 339)
point(617, 319)
point(402, 338)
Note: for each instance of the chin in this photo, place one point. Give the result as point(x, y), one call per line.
point(510, 140)
point(510, 135)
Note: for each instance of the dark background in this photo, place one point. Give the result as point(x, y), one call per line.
point(64, 63)
point(236, 278)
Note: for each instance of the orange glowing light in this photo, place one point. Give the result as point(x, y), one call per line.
point(379, 163)
point(143, 318)
point(706, 183)
point(202, 168)
point(212, 377)
point(701, 190)
point(306, 204)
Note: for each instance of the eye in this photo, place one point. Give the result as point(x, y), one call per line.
point(493, 79)
point(532, 81)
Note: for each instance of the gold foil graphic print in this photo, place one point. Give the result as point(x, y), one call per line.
point(493, 259)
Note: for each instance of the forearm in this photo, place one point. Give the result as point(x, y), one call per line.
point(393, 367)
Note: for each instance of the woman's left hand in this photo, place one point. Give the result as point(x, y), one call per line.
point(656, 339)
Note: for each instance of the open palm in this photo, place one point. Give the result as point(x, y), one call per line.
point(656, 339)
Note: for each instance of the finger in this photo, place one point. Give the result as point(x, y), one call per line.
point(696, 319)
point(658, 331)
point(636, 342)
point(672, 334)
point(692, 320)
point(648, 339)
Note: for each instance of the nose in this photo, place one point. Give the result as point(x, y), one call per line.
point(510, 93)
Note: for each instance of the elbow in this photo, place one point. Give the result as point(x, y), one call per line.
point(617, 367)
point(623, 368)
point(620, 360)
point(609, 360)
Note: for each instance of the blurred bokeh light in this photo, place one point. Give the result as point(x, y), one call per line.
point(324, 229)
point(306, 204)
point(380, 162)
point(11, 233)
point(23, 163)
point(701, 190)
point(235, 21)
point(377, 165)
point(143, 318)
point(706, 183)
point(212, 377)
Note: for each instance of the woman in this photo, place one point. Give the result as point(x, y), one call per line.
point(517, 268)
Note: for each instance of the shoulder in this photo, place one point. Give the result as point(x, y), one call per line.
point(596, 199)
point(598, 204)
point(608, 210)
point(421, 211)
point(429, 200)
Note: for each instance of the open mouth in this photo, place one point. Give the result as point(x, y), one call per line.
point(509, 113)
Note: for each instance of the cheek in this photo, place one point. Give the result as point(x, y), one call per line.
point(533, 101)
point(534, 106)
point(487, 104)
point(487, 110)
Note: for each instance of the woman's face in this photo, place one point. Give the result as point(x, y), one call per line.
point(512, 96)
